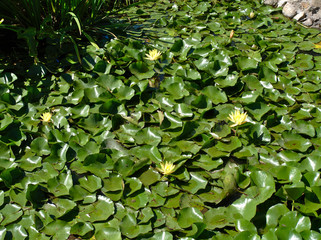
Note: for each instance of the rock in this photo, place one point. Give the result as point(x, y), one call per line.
point(271, 2)
point(289, 10)
point(307, 22)
point(299, 16)
point(281, 3)
point(308, 12)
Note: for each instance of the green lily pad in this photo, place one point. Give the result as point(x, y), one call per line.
point(11, 176)
point(149, 177)
point(217, 218)
point(289, 173)
point(113, 183)
point(229, 146)
point(257, 109)
point(260, 134)
point(59, 207)
point(162, 236)
point(170, 121)
point(138, 200)
point(40, 146)
point(183, 110)
point(17, 231)
point(208, 163)
point(311, 163)
point(246, 63)
point(61, 184)
point(177, 90)
point(141, 70)
point(274, 214)
point(133, 184)
point(90, 183)
point(304, 127)
point(289, 156)
point(10, 213)
point(129, 227)
point(89, 61)
point(81, 228)
point(108, 233)
point(293, 220)
point(215, 95)
point(57, 229)
point(293, 141)
point(196, 183)
point(244, 208)
point(193, 74)
point(188, 216)
point(100, 210)
point(295, 190)
point(303, 62)
point(148, 136)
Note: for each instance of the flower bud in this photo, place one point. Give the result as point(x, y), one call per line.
point(231, 34)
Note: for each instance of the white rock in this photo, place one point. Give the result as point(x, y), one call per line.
point(270, 2)
point(289, 10)
point(307, 22)
point(281, 3)
point(299, 16)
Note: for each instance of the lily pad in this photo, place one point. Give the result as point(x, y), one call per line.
point(188, 216)
point(293, 141)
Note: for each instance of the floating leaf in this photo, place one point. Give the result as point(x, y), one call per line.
point(98, 211)
point(293, 220)
point(81, 228)
point(188, 216)
point(148, 136)
point(129, 226)
point(233, 144)
point(10, 213)
point(141, 70)
point(260, 134)
point(162, 236)
point(246, 63)
point(90, 183)
point(215, 95)
point(293, 141)
point(196, 183)
point(139, 199)
point(58, 229)
point(108, 233)
point(59, 207)
point(217, 218)
point(40, 146)
point(244, 208)
point(257, 109)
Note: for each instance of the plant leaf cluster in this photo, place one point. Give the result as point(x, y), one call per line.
point(93, 170)
point(55, 22)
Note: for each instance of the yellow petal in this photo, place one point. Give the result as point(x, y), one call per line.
point(317, 45)
point(46, 117)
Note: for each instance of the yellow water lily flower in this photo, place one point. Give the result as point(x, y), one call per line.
point(46, 117)
point(1, 21)
point(167, 168)
point(317, 45)
point(237, 117)
point(153, 55)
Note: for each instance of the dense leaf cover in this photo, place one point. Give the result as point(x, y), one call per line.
point(95, 168)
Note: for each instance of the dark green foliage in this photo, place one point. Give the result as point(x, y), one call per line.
point(37, 21)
